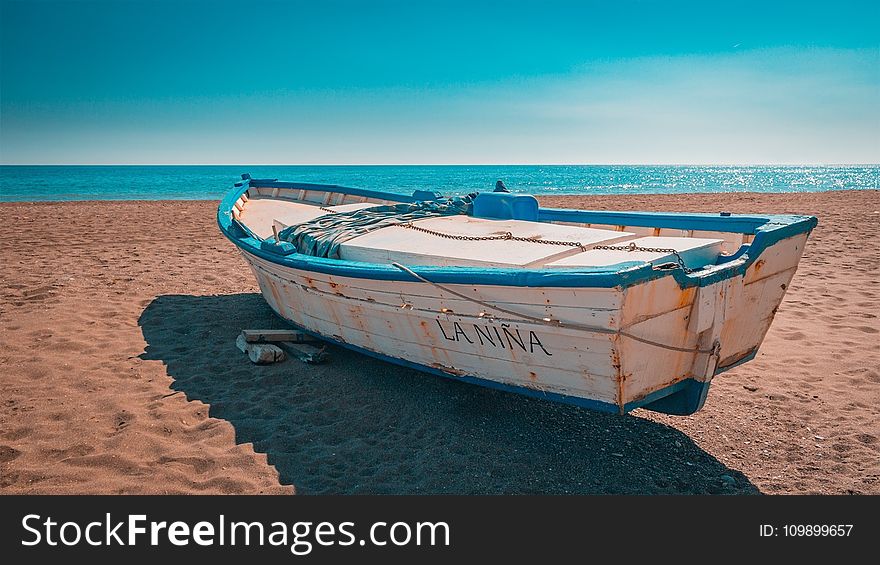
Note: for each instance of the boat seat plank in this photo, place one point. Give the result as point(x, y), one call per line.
point(411, 247)
point(352, 206)
point(259, 214)
point(695, 252)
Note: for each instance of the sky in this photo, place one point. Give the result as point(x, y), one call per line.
point(626, 82)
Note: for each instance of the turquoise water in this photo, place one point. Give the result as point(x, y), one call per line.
point(28, 183)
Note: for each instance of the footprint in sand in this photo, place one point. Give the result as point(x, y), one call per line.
point(8, 453)
point(200, 465)
point(867, 439)
point(76, 450)
point(40, 334)
point(17, 433)
point(123, 419)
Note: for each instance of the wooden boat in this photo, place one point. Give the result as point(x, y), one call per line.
point(607, 310)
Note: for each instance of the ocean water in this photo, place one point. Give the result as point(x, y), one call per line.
point(158, 182)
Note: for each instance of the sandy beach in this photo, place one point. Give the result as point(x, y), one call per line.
point(119, 374)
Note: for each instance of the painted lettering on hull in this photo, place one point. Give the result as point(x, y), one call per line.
point(501, 336)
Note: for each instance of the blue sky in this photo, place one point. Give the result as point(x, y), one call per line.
point(451, 82)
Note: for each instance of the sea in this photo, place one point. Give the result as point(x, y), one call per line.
point(198, 182)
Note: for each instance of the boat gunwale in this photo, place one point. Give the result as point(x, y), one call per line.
point(766, 229)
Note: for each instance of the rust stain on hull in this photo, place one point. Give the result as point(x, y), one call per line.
point(449, 370)
point(686, 297)
point(274, 292)
point(424, 325)
point(619, 376)
point(758, 265)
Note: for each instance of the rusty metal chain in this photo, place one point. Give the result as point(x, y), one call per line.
point(506, 236)
point(634, 247)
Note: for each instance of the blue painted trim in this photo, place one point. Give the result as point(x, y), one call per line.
point(772, 230)
point(282, 248)
point(256, 183)
point(691, 221)
point(680, 399)
point(684, 397)
point(656, 395)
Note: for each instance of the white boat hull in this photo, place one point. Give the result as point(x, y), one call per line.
point(421, 324)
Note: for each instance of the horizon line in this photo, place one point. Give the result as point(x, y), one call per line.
point(719, 164)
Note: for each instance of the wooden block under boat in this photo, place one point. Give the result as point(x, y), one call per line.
point(257, 336)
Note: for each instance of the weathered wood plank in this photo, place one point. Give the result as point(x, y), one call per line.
point(595, 306)
point(262, 336)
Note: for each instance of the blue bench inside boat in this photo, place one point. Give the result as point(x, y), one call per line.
point(506, 206)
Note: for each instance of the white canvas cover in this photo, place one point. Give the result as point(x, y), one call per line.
point(412, 247)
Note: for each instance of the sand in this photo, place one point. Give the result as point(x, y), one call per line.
point(119, 374)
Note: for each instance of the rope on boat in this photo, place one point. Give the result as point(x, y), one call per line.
point(714, 350)
point(322, 236)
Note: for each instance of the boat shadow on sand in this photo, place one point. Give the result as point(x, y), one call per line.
point(359, 425)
